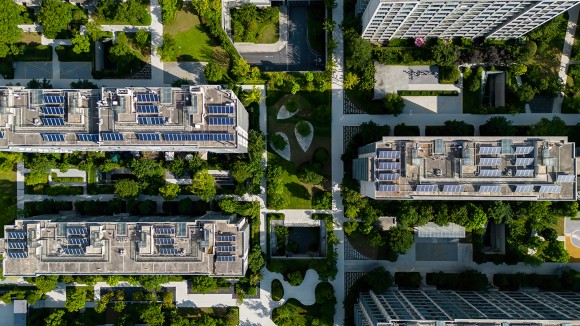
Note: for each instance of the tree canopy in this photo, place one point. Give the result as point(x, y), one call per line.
point(10, 17)
point(76, 299)
point(545, 127)
point(54, 16)
point(203, 185)
point(400, 239)
point(127, 188)
point(498, 126)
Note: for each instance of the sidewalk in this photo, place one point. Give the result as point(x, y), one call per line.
point(566, 53)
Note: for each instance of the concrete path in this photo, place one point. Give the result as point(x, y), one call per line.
point(566, 53)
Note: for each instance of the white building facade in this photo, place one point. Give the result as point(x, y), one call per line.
point(497, 19)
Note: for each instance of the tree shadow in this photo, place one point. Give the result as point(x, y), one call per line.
point(297, 190)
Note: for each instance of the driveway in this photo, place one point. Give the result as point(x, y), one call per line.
point(297, 54)
point(33, 69)
point(76, 70)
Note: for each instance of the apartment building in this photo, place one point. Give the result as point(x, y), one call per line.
point(445, 307)
point(498, 19)
point(467, 168)
point(213, 244)
point(190, 118)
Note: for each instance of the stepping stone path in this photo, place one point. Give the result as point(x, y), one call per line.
point(285, 153)
point(304, 142)
point(284, 114)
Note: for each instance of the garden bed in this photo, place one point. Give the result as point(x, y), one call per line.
point(66, 54)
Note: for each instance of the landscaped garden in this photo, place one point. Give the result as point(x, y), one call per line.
point(253, 25)
point(320, 313)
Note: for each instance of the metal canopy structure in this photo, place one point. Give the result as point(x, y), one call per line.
point(52, 121)
point(198, 137)
point(426, 188)
point(224, 238)
point(168, 251)
point(52, 110)
point(432, 230)
point(17, 254)
point(225, 258)
point(16, 234)
point(165, 230)
point(53, 99)
point(150, 120)
point(221, 121)
point(164, 241)
point(147, 109)
point(524, 161)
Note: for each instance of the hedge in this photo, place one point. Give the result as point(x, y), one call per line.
point(428, 93)
point(47, 206)
point(55, 178)
point(277, 290)
point(63, 190)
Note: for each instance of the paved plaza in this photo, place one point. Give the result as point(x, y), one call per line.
point(33, 70)
point(75, 70)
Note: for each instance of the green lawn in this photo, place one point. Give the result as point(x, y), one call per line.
point(315, 29)
point(7, 199)
point(471, 101)
point(269, 34)
point(193, 40)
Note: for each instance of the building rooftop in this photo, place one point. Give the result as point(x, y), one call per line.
point(213, 244)
point(190, 118)
point(468, 168)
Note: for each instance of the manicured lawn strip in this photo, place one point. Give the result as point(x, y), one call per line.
point(315, 29)
point(35, 52)
point(270, 34)
point(471, 101)
point(7, 199)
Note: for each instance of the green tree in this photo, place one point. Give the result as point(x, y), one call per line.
point(76, 299)
point(240, 68)
point(477, 217)
point(94, 30)
point(151, 314)
point(394, 104)
point(120, 52)
point(168, 50)
point(241, 171)
point(44, 283)
point(84, 84)
point(144, 168)
point(379, 280)
point(351, 80)
point(168, 10)
point(256, 260)
point(444, 53)
point(178, 166)
point(10, 17)
point(457, 128)
point(518, 69)
point(101, 305)
point(127, 188)
point(213, 72)
point(55, 319)
point(350, 227)
point(400, 239)
point(545, 127)
point(203, 185)
point(81, 43)
point(526, 93)
point(303, 129)
point(203, 284)
point(169, 191)
point(278, 142)
point(206, 320)
point(54, 16)
point(167, 299)
point(498, 126)
point(253, 96)
point(142, 37)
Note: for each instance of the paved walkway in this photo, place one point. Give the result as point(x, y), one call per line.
point(566, 52)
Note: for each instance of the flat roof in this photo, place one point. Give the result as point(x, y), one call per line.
point(213, 244)
point(479, 168)
point(189, 118)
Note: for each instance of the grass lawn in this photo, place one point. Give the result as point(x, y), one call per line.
point(299, 193)
point(193, 40)
point(270, 34)
point(7, 198)
point(315, 29)
point(471, 101)
point(30, 38)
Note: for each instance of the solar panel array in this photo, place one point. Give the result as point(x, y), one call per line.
point(523, 150)
point(53, 99)
point(76, 231)
point(78, 241)
point(17, 254)
point(16, 234)
point(490, 161)
point(168, 251)
point(524, 161)
point(389, 165)
point(147, 109)
point(226, 238)
point(225, 258)
point(225, 248)
point(489, 150)
point(388, 176)
point(389, 154)
point(52, 110)
point(165, 230)
point(550, 189)
point(147, 97)
point(16, 244)
point(220, 109)
point(220, 121)
point(52, 121)
point(149, 137)
point(73, 250)
point(53, 137)
point(565, 178)
point(198, 137)
point(453, 188)
point(490, 188)
point(389, 188)
point(524, 188)
point(88, 137)
point(150, 120)
point(490, 173)
point(164, 241)
point(112, 136)
point(524, 173)
point(427, 188)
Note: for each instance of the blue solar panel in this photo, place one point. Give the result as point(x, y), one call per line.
point(16, 235)
point(150, 120)
point(78, 241)
point(53, 137)
point(225, 258)
point(112, 136)
point(148, 137)
point(73, 250)
point(197, 137)
point(389, 154)
point(53, 99)
point(147, 97)
point(225, 248)
point(228, 238)
point(76, 231)
point(88, 137)
point(164, 241)
point(16, 244)
point(165, 230)
point(17, 254)
point(52, 121)
point(220, 121)
point(220, 109)
point(147, 109)
point(168, 251)
point(52, 110)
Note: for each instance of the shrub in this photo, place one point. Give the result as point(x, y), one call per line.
point(277, 290)
point(321, 155)
point(63, 190)
point(448, 74)
point(303, 129)
point(295, 278)
point(292, 105)
point(278, 142)
point(394, 104)
point(322, 200)
point(311, 173)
